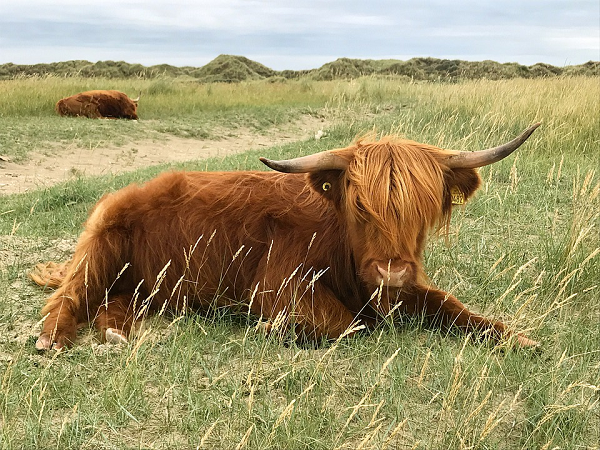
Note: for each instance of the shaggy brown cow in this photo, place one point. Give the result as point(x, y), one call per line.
point(342, 243)
point(99, 105)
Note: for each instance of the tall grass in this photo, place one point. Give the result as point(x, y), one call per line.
point(29, 123)
point(450, 115)
point(526, 250)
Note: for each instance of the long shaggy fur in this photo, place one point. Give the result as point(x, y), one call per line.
point(308, 247)
point(50, 274)
point(98, 104)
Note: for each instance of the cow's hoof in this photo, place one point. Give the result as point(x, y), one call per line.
point(115, 337)
point(43, 343)
point(526, 342)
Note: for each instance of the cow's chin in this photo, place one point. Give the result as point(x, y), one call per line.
point(392, 273)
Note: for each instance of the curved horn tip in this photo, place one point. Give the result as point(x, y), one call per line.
point(534, 126)
point(265, 161)
point(273, 164)
point(525, 134)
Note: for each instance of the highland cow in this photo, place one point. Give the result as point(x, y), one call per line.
point(99, 104)
point(328, 240)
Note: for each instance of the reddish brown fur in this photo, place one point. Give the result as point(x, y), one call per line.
point(270, 242)
point(98, 104)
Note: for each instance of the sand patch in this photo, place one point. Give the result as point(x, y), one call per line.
point(43, 170)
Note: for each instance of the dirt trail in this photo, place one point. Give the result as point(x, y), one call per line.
point(42, 170)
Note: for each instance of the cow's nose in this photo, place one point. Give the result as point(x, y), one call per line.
point(394, 272)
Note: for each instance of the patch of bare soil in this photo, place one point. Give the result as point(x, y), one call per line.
point(42, 170)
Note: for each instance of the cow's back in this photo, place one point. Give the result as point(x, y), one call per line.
point(97, 104)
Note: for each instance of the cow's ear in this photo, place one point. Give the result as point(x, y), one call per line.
point(328, 183)
point(459, 186)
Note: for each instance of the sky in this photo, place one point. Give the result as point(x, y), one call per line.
point(299, 34)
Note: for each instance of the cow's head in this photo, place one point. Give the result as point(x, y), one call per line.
point(391, 193)
point(131, 110)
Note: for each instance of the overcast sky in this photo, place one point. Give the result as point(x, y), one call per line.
point(298, 34)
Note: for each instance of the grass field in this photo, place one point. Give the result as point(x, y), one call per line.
point(525, 250)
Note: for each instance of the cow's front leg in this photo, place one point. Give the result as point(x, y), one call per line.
point(445, 309)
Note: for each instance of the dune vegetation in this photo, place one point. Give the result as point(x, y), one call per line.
point(233, 69)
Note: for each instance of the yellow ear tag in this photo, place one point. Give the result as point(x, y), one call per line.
point(458, 198)
point(326, 186)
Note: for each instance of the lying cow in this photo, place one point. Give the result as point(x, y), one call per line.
point(99, 104)
point(337, 237)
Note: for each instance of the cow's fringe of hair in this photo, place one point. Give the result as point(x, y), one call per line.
point(396, 185)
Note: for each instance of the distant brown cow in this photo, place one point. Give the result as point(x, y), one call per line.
point(337, 238)
point(99, 104)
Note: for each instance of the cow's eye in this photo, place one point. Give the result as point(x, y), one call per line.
point(326, 186)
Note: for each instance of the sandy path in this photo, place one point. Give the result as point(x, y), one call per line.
point(41, 170)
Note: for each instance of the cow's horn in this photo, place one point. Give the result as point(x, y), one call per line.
point(471, 160)
point(311, 163)
point(138, 98)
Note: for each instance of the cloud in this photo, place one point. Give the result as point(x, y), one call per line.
point(173, 32)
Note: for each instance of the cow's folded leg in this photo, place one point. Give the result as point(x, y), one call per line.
point(115, 319)
point(95, 267)
point(445, 309)
point(322, 316)
point(314, 312)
